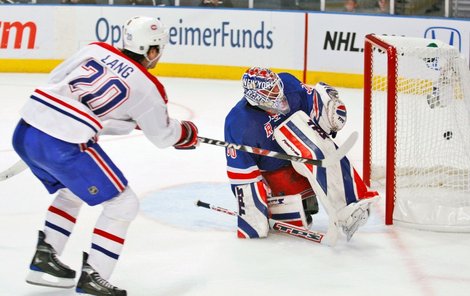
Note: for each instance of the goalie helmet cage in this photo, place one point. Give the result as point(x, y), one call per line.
point(417, 130)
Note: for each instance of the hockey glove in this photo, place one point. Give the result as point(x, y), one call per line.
point(330, 115)
point(188, 138)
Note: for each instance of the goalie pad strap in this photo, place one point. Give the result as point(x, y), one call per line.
point(288, 209)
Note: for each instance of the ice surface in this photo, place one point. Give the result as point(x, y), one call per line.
point(174, 248)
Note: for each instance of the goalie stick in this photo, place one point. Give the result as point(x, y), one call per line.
point(282, 227)
point(331, 159)
point(15, 169)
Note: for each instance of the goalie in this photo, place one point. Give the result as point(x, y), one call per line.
point(273, 115)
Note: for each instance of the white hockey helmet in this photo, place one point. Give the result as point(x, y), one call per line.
point(141, 32)
point(328, 112)
point(264, 89)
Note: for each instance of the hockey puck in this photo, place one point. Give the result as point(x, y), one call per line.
point(448, 135)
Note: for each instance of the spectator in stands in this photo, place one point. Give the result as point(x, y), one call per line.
point(209, 3)
point(78, 1)
point(289, 4)
point(350, 5)
point(141, 2)
point(382, 6)
point(216, 3)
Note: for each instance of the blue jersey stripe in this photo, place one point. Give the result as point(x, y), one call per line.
point(64, 112)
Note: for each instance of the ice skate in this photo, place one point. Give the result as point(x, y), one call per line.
point(311, 208)
point(47, 270)
point(91, 283)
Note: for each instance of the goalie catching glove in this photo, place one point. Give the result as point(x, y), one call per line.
point(328, 111)
point(188, 139)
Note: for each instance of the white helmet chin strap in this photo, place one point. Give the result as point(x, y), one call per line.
point(150, 62)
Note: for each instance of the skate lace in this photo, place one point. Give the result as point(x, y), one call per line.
point(102, 281)
point(57, 261)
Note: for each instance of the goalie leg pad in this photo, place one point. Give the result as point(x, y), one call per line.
point(287, 181)
point(336, 187)
point(288, 209)
point(299, 135)
point(339, 182)
point(252, 210)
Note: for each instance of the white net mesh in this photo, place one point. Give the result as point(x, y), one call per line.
point(432, 160)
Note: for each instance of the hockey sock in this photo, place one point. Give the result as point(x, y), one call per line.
point(106, 244)
point(110, 232)
point(60, 219)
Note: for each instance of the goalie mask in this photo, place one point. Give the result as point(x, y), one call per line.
point(328, 110)
point(264, 89)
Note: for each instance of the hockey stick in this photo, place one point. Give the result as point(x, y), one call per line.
point(333, 158)
point(328, 161)
point(282, 227)
point(15, 169)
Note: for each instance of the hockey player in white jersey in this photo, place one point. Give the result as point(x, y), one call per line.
point(272, 115)
point(99, 90)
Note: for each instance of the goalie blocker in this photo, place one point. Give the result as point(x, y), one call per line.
point(339, 188)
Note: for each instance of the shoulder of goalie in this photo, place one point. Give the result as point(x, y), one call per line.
point(335, 186)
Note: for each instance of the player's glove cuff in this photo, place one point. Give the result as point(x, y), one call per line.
point(188, 139)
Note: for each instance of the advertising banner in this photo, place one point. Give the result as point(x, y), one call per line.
point(27, 33)
point(217, 43)
point(336, 41)
point(197, 36)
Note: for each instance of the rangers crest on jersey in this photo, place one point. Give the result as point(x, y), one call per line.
point(268, 128)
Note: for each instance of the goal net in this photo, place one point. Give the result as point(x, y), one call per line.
point(417, 131)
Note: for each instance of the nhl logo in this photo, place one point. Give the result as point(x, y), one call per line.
point(93, 190)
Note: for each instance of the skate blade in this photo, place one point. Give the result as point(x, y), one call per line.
point(43, 279)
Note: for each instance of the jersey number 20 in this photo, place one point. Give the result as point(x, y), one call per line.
point(101, 92)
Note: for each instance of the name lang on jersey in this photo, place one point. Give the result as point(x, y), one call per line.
point(119, 66)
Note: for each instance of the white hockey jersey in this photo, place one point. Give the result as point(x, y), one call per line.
point(98, 91)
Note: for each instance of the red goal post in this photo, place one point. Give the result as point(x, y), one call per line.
point(417, 131)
